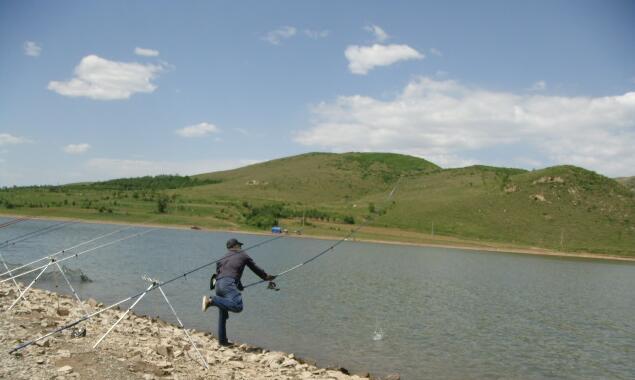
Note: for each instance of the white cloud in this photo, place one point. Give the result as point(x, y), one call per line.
point(76, 148)
point(435, 51)
point(198, 130)
point(101, 79)
point(8, 139)
point(541, 85)
point(451, 124)
point(276, 36)
point(379, 33)
point(106, 168)
point(32, 49)
point(146, 52)
point(316, 34)
point(362, 59)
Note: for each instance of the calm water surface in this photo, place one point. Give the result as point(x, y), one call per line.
point(444, 313)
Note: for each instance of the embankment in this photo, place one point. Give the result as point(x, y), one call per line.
point(139, 348)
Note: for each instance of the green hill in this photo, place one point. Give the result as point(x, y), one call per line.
point(629, 182)
point(560, 208)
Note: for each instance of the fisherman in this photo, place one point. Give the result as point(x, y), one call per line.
point(229, 270)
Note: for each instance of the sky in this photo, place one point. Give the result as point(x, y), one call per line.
point(93, 90)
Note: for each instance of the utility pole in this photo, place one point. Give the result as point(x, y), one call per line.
point(561, 239)
point(432, 228)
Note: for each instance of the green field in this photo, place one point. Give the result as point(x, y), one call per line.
point(563, 208)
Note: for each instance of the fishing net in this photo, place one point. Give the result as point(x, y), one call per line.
point(51, 275)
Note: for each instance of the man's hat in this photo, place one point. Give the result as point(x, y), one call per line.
point(232, 243)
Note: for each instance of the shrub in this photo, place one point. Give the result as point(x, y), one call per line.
point(162, 204)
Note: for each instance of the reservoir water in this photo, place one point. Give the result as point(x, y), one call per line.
point(422, 312)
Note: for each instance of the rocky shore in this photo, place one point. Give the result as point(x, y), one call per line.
point(139, 348)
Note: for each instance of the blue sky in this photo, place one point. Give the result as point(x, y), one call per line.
point(95, 90)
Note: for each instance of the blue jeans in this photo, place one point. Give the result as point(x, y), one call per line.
point(227, 299)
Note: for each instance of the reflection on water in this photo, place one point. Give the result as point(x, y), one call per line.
point(439, 313)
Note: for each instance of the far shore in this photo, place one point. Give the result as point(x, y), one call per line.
point(454, 244)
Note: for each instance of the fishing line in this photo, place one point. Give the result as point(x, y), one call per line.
point(48, 257)
point(327, 250)
point(75, 255)
point(152, 287)
point(39, 232)
point(26, 236)
point(54, 261)
point(13, 221)
point(156, 285)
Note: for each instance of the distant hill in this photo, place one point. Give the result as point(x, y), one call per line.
point(562, 207)
point(629, 182)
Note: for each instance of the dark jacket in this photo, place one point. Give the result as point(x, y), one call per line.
point(233, 264)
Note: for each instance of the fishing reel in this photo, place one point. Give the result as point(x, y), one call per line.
point(273, 286)
point(146, 277)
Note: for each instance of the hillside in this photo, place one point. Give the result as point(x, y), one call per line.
point(629, 182)
point(560, 208)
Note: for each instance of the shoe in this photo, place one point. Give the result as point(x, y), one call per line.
point(226, 344)
point(206, 303)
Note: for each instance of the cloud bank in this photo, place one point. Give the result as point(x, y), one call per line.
point(100, 79)
point(452, 124)
point(362, 59)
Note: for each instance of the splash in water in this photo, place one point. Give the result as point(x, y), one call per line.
point(378, 334)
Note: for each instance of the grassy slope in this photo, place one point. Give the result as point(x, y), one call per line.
point(582, 210)
point(629, 182)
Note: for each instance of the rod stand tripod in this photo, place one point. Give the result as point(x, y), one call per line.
point(154, 283)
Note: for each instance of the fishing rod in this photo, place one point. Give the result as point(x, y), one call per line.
point(152, 287)
point(272, 285)
point(39, 232)
point(54, 261)
point(75, 255)
point(26, 236)
point(156, 285)
point(12, 221)
point(9, 272)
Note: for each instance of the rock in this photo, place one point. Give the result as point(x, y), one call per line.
point(65, 370)
point(62, 312)
point(163, 350)
point(64, 353)
point(43, 343)
point(209, 358)
point(40, 361)
point(393, 376)
point(252, 358)
point(236, 364)
point(92, 302)
point(289, 363)
point(538, 197)
point(163, 364)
